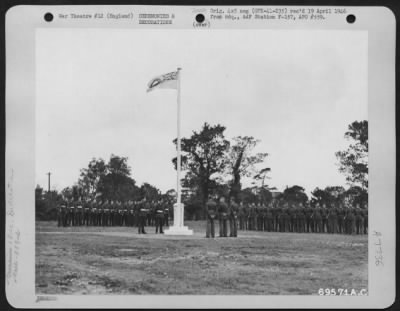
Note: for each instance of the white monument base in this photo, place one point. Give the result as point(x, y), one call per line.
point(175, 230)
point(178, 228)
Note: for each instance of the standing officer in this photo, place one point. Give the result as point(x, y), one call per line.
point(113, 213)
point(308, 211)
point(166, 213)
point(211, 209)
point(159, 215)
point(286, 217)
point(301, 218)
point(268, 218)
point(223, 217)
point(86, 211)
point(64, 212)
point(99, 212)
point(233, 218)
point(281, 218)
point(324, 214)
point(275, 215)
point(129, 217)
point(317, 217)
point(292, 212)
point(260, 218)
point(59, 214)
point(246, 209)
point(73, 213)
point(79, 212)
point(332, 219)
point(350, 220)
point(341, 213)
point(143, 207)
point(365, 217)
point(252, 217)
point(359, 219)
point(241, 216)
point(106, 214)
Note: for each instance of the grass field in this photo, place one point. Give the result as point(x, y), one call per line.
point(117, 260)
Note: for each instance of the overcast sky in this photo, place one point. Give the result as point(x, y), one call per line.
point(296, 91)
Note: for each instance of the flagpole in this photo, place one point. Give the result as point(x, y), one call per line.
point(178, 177)
point(178, 228)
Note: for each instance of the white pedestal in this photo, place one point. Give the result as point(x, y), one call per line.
point(178, 228)
point(175, 230)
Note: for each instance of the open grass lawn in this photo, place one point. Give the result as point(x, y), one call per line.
point(116, 260)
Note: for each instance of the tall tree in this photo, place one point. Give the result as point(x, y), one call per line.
point(353, 162)
point(295, 194)
point(331, 194)
point(90, 177)
point(150, 192)
point(355, 195)
point(203, 157)
point(241, 161)
point(116, 183)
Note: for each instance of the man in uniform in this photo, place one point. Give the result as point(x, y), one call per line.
point(317, 218)
point(281, 216)
point(341, 213)
point(60, 213)
point(233, 218)
point(332, 219)
point(301, 218)
point(98, 213)
point(106, 214)
point(359, 219)
point(308, 211)
point(324, 215)
point(275, 215)
point(144, 209)
point(241, 216)
point(223, 217)
point(246, 209)
point(79, 212)
point(166, 213)
point(350, 220)
point(211, 209)
point(86, 211)
point(129, 217)
point(365, 217)
point(260, 218)
point(292, 212)
point(73, 212)
point(252, 217)
point(159, 216)
point(113, 213)
point(268, 218)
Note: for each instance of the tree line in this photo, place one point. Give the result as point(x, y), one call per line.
point(215, 166)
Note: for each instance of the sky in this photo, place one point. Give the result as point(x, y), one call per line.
point(294, 90)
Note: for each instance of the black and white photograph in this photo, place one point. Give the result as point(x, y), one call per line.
point(201, 161)
point(274, 162)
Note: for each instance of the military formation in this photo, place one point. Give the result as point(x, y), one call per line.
point(115, 213)
point(282, 216)
point(225, 213)
point(231, 216)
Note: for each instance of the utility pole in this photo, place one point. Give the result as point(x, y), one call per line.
point(49, 182)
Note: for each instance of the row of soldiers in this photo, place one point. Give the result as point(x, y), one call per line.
point(287, 217)
point(114, 213)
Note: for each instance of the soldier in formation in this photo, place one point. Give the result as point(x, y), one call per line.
point(281, 216)
point(107, 213)
point(232, 215)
